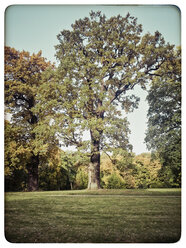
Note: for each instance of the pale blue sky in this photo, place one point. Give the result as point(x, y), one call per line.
point(35, 28)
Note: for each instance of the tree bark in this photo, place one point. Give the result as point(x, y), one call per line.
point(32, 168)
point(94, 166)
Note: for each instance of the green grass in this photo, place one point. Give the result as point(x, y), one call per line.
point(103, 216)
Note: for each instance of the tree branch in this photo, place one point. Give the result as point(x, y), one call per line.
point(120, 91)
point(154, 69)
point(112, 160)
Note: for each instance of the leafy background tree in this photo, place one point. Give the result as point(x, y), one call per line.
point(22, 79)
point(147, 171)
point(164, 117)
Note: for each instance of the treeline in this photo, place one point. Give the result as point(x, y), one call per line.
point(67, 171)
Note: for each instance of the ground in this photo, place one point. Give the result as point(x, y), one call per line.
point(100, 216)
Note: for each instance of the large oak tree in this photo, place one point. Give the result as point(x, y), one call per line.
point(99, 61)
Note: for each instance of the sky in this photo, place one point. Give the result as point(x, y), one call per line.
point(35, 27)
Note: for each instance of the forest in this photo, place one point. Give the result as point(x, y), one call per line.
point(48, 108)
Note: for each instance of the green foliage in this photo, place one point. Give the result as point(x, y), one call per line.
point(68, 163)
point(15, 158)
point(16, 181)
point(130, 171)
point(167, 178)
point(22, 79)
point(114, 181)
point(164, 116)
point(81, 181)
point(69, 171)
point(147, 170)
point(53, 178)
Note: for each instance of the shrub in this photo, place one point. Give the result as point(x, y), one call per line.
point(115, 181)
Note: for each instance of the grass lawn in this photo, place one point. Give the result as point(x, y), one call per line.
point(103, 216)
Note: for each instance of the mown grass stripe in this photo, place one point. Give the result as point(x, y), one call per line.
point(132, 196)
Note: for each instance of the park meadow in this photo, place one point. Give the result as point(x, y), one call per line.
point(100, 216)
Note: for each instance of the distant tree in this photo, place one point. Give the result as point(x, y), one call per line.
point(68, 163)
point(22, 79)
point(81, 180)
point(164, 115)
point(124, 162)
point(146, 170)
point(117, 169)
point(100, 59)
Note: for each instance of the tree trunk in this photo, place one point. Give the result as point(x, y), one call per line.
point(32, 168)
point(71, 186)
point(94, 166)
